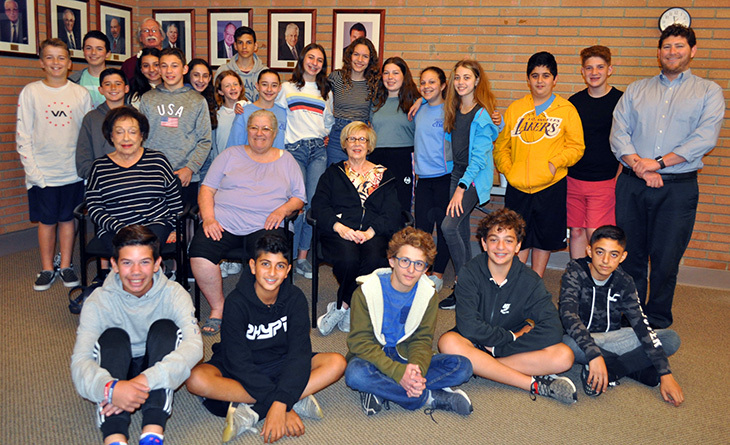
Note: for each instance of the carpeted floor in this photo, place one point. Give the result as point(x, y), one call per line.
point(40, 405)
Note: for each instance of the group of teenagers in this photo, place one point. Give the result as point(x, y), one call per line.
point(364, 135)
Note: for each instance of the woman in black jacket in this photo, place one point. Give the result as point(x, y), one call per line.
point(357, 210)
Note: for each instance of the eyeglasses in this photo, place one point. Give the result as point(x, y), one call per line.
point(151, 30)
point(263, 129)
point(361, 139)
point(405, 263)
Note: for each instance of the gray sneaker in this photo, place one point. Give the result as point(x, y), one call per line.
point(44, 280)
point(233, 267)
point(308, 407)
point(327, 322)
point(69, 278)
point(558, 388)
point(240, 418)
point(372, 404)
point(304, 269)
point(344, 324)
point(448, 399)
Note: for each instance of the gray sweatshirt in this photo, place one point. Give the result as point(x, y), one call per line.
point(179, 126)
point(91, 144)
point(111, 307)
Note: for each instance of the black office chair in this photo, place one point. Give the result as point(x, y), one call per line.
point(96, 249)
point(318, 258)
point(238, 254)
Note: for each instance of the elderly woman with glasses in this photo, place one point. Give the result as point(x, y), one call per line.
point(357, 211)
point(248, 191)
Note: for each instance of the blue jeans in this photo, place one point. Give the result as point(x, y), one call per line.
point(312, 160)
point(622, 341)
point(445, 370)
point(457, 230)
point(335, 153)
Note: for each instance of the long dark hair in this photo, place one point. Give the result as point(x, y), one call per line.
point(408, 93)
point(297, 76)
point(208, 93)
point(372, 71)
point(139, 84)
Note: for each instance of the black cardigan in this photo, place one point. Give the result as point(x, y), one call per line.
point(337, 200)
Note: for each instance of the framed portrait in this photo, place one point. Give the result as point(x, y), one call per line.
point(19, 28)
point(116, 22)
point(290, 30)
point(350, 24)
point(222, 25)
point(178, 29)
point(68, 20)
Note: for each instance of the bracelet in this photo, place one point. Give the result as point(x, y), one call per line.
point(111, 390)
point(106, 390)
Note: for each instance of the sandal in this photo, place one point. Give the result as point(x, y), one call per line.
point(213, 326)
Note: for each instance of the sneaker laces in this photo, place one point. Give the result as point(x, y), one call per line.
point(429, 411)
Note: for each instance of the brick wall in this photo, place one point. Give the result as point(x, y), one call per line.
point(501, 34)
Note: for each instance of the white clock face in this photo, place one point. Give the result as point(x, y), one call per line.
point(673, 16)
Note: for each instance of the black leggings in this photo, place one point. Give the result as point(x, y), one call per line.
point(114, 353)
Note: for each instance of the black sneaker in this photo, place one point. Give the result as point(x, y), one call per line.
point(44, 280)
point(69, 278)
point(372, 404)
point(587, 388)
point(648, 376)
point(448, 399)
point(558, 388)
point(448, 303)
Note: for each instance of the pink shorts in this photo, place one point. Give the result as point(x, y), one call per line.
point(591, 204)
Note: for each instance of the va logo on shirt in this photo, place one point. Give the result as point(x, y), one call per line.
point(58, 114)
point(532, 129)
point(262, 332)
point(505, 309)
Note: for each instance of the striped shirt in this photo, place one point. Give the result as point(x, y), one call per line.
point(350, 103)
point(146, 193)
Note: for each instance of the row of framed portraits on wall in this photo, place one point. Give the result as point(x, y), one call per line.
point(289, 30)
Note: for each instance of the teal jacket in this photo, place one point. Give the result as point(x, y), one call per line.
point(480, 170)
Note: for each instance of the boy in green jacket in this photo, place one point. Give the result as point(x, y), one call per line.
point(393, 318)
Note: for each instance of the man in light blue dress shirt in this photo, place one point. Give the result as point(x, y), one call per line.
point(662, 127)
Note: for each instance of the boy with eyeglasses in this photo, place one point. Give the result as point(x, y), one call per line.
point(393, 317)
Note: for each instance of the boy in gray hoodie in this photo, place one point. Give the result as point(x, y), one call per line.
point(179, 122)
point(137, 341)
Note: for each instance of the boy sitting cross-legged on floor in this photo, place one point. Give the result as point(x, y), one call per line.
point(137, 341)
point(506, 322)
point(594, 294)
point(263, 366)
point(393, 318)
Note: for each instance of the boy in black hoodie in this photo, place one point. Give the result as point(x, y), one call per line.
point(506, 322)
point(594, 294)
point(263, 366)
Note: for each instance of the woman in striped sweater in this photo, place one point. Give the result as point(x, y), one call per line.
point(131, 185)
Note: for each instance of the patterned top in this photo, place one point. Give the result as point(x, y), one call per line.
point(365, 183)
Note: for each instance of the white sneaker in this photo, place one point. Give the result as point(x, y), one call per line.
point(224, 269)
point(308, 407)
point(344, 324)
point(233, 268)
point(437, 282)
point(240, 418)
point(327, 322)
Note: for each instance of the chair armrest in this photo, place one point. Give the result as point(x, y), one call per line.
point(311, 220)
point(80, 210)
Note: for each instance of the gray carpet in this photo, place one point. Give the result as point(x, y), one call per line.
point(40, 404)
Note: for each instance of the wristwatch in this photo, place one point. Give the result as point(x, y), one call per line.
point(462, 185)
point(660, 160)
